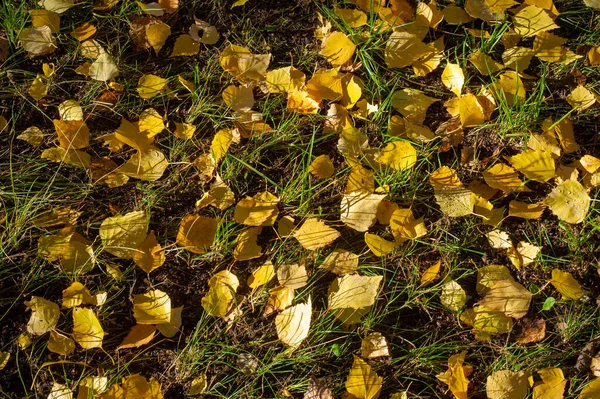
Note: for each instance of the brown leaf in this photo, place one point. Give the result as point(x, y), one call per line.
point(532, 330)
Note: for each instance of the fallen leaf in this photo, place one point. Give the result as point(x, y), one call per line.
point(48, 18)
point(72, 134)
point(569, 201)
point(535, 165)
point(280, 298)
point(260, 210)
point(221, 296)
point(185, 45)
point(153, 307)
point(531, 331)
point(293, 324)
point(104, 68)
point(412, 104)
point(509, 297)
point(150, 86)
point(453, 296)
point(315, 234)
point(32, 135)
point(453, 78)
point(398, 155)
point(456, 376)
point(149, 255)
point(61, 344)
point(340, 262)
point(121, 235)
point(507, 384)
point(531, 20)
point(403, 49)
point(247, 246)
point(374, 345)
point(337, 48)
point(262, 275)
point(363, 382)
point(87, 331)
point(84, 31)
point(196, 233)
point(566, 284)
point(139, 335)
point(359, 211)
point(38, 41)
point(243, 65)
point(552, 386)
point(292, 275)
point(322, 167)
point(60, 391)
point(44, 315)
point(581, 99)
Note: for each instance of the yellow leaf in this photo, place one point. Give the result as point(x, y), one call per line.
point(453, 78)
point(471, 111)
point(532, 20)
point(190, 86)
point(84, 31)
point(91, 49)
point(153, 307)
point(171, 328)
point(351, 90)
point(353, 18)
point(509, 88)
point(509, 297)
point(70, 110)
point(569, 201)
point(149, 255)
point(359, 211)
point(184, 130)
point(40, 18)
point(87, 331)
point(412, 104)
point(60, 391)
point(564, 283)
point(502, 177)
point(404, 226)
point(150, 86)
point(454, 15)
point(487, 276)
point(431, 61)
point(431, 274)
point(322, 167)
point(76, 294)
point(72, 134)
point(243, 65)
point(136, 386)
point(506, 384)
point(524, 210)
point(398, 155)
point(90, 387)
point(24, 342)
point(456, 376)
point(499, 239)
point(340, 262)
point(325, 84)
point(61, 344)
point(220, 298)
point(32, 135)
point(280, 298)
point(517, 58)
point(453, 296)
point(260, 210)
point(315, 234)
point(44, 315)
point(337, 48)
point(353, 291)
point(121, 235)
point(196, 233)
point(148, 165)
point(139, 335)
point(566, 136)
point(552, 385)
point(592, 390)
point(374, 345)
point(238, 98)
point(362, 382)
point(38, 41)
point(301, 101)
point(38, 88)
point(199, 385)
point(151, 122)
point(403, 49)
point(246, 245)
point(292, 275)
point(153, 9)
point(453, 199)
point(58, 6)
point(523, 254)
point(69, 157)
point(185, 45)
point(378, 245)
point(285, 80)
point(104, 68)
point(293, 324)
point(535, 165)
point(157, 35)
point(484, 63)
point(262, 275)
point(581, 98)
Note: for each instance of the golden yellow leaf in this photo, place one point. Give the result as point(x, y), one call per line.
point(353, 18)
point(592, 390)
point(84, 31)
point(506, 384)
point(378, 245)
point(359, 210)
point(523, 254)
point(184, 130)
point(91, 49)
point(32, 135)
point(453, 200)
point(552, 385)
point(509, 297)
point(185, 45)
point(139, 335)
point(56, 217)
point(148, 165)
point(431, 61)
point(564, 130)
point(535, 165)
point(61, 344)
point(431, 274)
point(72, 134)
point(532, 20)
point(398, 155)
point(151, 122)
point(524, 210)
point(353, 291)
point(153, 307)
point(196, 233)
point(453, 296)
point(239, 98)
point(243, 65)
point(44, 315)
point(209, 32)
point(292, 275)
point(322, 167)
point(487, 276)
point(199, 385)
point(471, 110)
point(40, 18)
point(284, 80)
point(261, 275)
point(453, 78)
point(69, 157)
point(456, 376)
point(76, 294)
point(340, 262)
point(60, 391)
point(246, 245)
point(220, 298)
point(157, 35)
point(190, 86)
point(87, 331)
point(499, 239)
point(569, 201)
point(403, 49)
point(149, 255)
point(484, 63)
point(315, 234)
point(38, 88)
point(301, 101)
point(325, 84)
point(412, 104)
point(38, 41)
point(502, 177)
point(90, 387)
point(362, 382)
point(260, 210)
point(150, 86)
point(136, 386)
point(454, 15)
point(121, 235)
point(404, 226)
point(566, 284)
point(581, 98)
point(70, 110)
point(374, 345)
point(517, 58)
point(351, 90)
point(280, 298)
point(337, 48)
point(293, 324)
